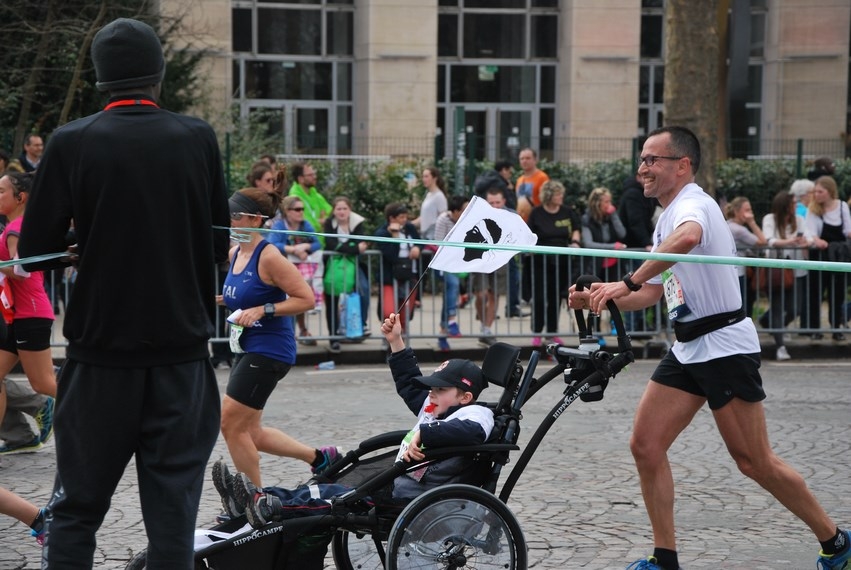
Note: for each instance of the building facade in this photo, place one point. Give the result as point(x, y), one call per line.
point(568, 77)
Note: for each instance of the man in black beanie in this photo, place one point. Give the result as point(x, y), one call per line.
point(144, 188)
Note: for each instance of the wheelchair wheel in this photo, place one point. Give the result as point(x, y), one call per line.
point(356, 552)
point(456, 526)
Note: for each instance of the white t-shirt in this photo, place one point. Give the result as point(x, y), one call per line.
point(707, 289)
point(434, 204)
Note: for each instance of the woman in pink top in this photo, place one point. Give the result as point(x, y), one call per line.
point(28, 337)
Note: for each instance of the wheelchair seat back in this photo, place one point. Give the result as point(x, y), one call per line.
point(500, 367)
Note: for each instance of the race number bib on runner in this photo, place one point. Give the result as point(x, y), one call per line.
point(235, 332)
point(674, 298)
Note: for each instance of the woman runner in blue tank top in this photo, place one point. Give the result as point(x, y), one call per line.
point(263, 290)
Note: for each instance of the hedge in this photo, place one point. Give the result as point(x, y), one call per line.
point(372, 186)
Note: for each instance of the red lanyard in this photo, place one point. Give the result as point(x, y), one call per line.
point(129, 102)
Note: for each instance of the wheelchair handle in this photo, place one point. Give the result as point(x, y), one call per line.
point(584, 281)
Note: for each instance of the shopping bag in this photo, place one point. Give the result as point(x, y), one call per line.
point(351, 317)
point(340, 272)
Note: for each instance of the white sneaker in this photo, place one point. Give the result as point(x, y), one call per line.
point(782, 353)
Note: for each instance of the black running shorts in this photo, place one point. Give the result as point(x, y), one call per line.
point(253, 378)
point(28, 334)
point(719, 380)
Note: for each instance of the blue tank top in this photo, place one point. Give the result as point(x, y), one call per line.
point(270, 336)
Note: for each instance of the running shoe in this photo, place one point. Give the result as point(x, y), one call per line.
point(223, 482)
point(536, 342)
point(260, 508)
point(44, 420)
point(487, 340)
point(453, 328)
point(648, 563)
point(330, 454)
point(30, 447)
point(841, 561)
point(556, 340)
point(443, 344)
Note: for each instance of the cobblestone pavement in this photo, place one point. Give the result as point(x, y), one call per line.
point(578, 502)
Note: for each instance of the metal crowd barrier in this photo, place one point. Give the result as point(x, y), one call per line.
point(817, 302)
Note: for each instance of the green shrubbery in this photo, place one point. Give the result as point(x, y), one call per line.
point(371, 186)
point(760, 180)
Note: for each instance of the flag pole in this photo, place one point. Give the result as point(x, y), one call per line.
point(413, 289)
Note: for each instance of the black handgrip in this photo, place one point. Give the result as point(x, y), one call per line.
point(623, 339)
point(581, 282)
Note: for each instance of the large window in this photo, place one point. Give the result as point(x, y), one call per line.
point(306, 28)
point(288, 80)
point(748, 141)
point(497, 60)
point(651, 108)
point(293, 62)
point(493, 83)
point(651, 79)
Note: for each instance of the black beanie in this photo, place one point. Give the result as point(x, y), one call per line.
point(127, 53)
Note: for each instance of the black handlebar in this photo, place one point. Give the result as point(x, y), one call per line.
point(624, 343)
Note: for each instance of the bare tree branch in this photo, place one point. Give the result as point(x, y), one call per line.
point(28, 91)
point(81, 57)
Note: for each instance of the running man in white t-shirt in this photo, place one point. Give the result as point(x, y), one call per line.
point(716, 357)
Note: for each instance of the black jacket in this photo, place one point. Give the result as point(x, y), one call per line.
point(448, 430)
point(390, 251)
point(144, 188)
point(636, 214)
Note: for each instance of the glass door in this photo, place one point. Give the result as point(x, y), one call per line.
point(515, 132)
point(492, 133)
point(476, 127)
point(312, 130)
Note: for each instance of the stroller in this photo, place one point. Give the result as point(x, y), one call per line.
point(462, 525)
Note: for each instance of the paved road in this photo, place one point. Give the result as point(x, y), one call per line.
point(578, 502)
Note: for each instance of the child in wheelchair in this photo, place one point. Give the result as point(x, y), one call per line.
point(447, 415)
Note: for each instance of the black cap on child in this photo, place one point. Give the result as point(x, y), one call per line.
point(457, 373)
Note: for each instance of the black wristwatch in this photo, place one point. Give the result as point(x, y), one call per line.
point(631, 285)
point(269, 309)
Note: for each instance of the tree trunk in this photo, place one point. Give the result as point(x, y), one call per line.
point(691, 77)
point(81, 58)
point(38, 62)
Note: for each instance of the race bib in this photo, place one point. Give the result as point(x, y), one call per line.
point(406, 443)
point(235, 333)
point(674, 298)
point(419, 472)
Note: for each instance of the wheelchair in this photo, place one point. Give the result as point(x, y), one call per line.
point(456, 526)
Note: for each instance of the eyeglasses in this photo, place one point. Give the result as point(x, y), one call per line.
point(296, 209)
point(236, 216)
point(651, 159)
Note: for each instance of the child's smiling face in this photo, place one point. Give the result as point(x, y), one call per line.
point(445, 398)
